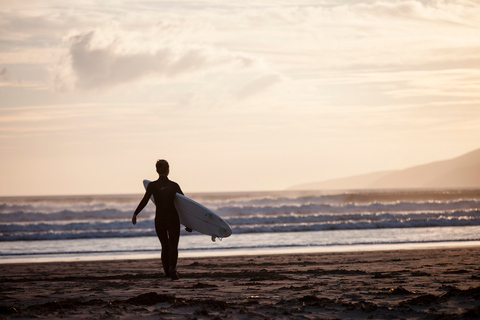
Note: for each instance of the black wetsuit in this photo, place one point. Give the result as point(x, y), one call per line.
point(167, 223)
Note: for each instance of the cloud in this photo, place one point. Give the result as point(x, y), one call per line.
point(259, 85)
point(5, 74)
point(16, 26)
point(99, 66)
point(347, 34)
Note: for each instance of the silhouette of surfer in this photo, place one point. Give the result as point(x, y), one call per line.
point(167, 222)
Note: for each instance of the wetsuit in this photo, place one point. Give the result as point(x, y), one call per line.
point(167, 223)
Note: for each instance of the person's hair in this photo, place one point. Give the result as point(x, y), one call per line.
point(162, 167)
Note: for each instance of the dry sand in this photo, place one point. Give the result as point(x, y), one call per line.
point(405, 284)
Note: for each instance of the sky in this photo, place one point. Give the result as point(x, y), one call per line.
point(236, 95)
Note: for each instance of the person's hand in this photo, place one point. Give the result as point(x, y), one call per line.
point(134, 219)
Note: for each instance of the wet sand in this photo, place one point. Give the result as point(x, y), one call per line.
point(403, 284)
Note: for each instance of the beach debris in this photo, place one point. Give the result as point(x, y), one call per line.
point(397, 291)
point(8, 310)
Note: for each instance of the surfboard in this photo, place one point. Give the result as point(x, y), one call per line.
point(197, 217)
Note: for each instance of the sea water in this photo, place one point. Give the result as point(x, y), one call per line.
point(85, 227)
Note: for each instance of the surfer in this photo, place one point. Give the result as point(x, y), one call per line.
point(167, 222)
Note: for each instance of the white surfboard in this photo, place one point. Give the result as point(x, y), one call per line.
point(195, 216)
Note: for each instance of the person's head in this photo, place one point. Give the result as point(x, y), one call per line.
point(163, 168)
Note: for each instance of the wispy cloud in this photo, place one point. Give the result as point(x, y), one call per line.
point(106, 66)
point(258, 85)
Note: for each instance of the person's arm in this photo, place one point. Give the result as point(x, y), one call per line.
point(142, 204)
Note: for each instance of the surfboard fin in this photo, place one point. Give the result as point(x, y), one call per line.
point(214, 238)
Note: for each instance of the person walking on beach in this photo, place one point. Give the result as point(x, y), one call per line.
point(167, 222)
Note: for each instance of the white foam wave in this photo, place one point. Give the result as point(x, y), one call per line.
point(245, 224)
point(109, 216)
point(306, 208)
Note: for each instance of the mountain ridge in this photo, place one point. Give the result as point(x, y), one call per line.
point(459, 172)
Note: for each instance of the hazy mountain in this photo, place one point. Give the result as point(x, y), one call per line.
point(460, 172)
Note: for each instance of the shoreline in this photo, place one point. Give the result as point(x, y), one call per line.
point(115, 256)
point(442, 283)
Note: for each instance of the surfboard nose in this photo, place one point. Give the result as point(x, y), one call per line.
point(225, 232)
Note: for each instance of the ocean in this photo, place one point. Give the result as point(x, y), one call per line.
point(99, 226)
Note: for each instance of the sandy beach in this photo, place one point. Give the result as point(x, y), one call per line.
point(403, 284)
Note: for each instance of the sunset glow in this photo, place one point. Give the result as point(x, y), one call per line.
point(254, 95)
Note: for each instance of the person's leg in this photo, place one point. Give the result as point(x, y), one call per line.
point(162, 235)
point(173, 238)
